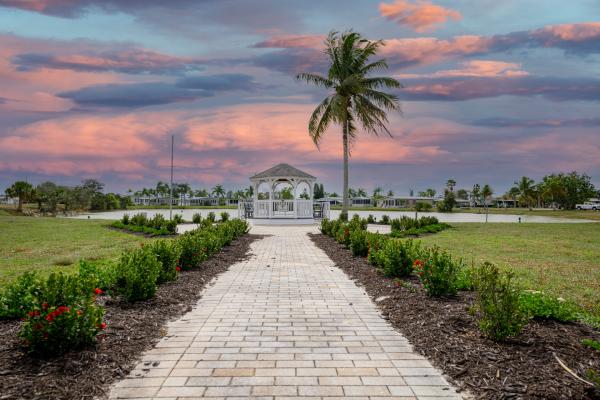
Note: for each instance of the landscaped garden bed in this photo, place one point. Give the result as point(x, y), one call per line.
point(446, 329)
point(128, 314)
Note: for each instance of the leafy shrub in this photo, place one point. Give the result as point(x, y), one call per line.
point(343, 217)
point(211, 217)
point(334, 227)
point(193, 251)
point(397, 258)
point(139, 219)
point(102, 273)
point(438, 273)
point(64, 316)
point(422, 206)
point(19, 296)
point(540, 305)
point(591, 343)
point(498, 303)
point(375, 244)
point(358, 242)
point(178, 218)
point(343, 235)
point(125, 219)
point(167, 253)
point(197, 218)
point(371, 219)
point(465, 278)
point(154, 226)
point(385, 219)
point(325, 226)
point(224, 216)
point(137, 274)
point(357, 223)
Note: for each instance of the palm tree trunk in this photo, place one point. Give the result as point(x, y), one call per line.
point(345, 194)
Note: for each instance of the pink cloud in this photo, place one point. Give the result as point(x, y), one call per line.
point(292, 41)
point(474, 68)
point(420, 16)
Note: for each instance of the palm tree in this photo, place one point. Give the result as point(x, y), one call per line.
point(22, 190)
point(450, 184)
point(355, 98)
point(486, 193)
point(526, 190)
point(218, 191)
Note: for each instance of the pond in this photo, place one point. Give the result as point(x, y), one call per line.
point(443, 217)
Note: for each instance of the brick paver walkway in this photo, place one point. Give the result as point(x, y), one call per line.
point(284, 324)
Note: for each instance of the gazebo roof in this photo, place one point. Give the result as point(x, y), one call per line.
point(282, 170)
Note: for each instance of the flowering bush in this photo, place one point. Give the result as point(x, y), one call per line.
point(64, 316)
point(538, 304)
point(19, 296)
point(137, 274)
point(343, 235)
point(438, 273)
point(167, 252)
point(498, 303)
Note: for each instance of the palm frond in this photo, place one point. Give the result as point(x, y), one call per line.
point(315, 79)
point(382, 81)
point(320, 119)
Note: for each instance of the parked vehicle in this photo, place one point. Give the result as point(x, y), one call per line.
point(588, 205)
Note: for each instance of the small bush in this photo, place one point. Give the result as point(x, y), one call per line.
point(193, 251)
point(371, 219)
point(539, 305)
point(125, 219)
point(343, 217)
point(358, 242)
point(178, 218)
point(343, 235)
point(385, 219)
point(376, 243)
point(167, 253)
point(139, 219)
point(19, 296)
point(197, 218)
point(325, 226)
point(211, 217)
point(137, 274)
point(397, 258)
point(438, 273)
point(498, 303)
point(64, 316)
point(465, 278)
point(102, 273)
point(224, 216)
point(422, 206)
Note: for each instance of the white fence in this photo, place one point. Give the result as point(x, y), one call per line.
point(297, 208)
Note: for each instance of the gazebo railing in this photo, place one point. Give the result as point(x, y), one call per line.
point(297, 208)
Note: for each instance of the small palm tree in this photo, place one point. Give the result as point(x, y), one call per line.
point(22, 190)
point(526, 190)
point(486, 193)
point(218, 191)
point(355, 99)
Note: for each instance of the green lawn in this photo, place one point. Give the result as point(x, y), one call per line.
point(561, 259)
point(573, 214)
point(51, 244)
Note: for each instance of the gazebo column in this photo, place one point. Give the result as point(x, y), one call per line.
point(294, 188)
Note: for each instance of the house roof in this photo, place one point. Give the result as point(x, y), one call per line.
point(282, 170)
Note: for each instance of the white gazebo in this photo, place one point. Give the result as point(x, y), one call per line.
point(272, 207)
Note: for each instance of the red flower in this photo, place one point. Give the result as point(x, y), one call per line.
point(418, 263)
point(98, 291)
point(102, 325)
point(178, 268)
point(44, 305)
point(50, 317)
point(33, 313)
point(79, 312)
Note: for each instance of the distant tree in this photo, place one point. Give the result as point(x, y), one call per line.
point(361, 193)
point(429, 192)
point(304, 195)
point(486, 194)
point(229, 194)
point(22, 190)
point(351, 192)
point(48, 195)
point(249, 192)
point(218, 191)
point(92, 186)
point(390, 193)
point(334, 194)
point(567, 190)
point(201, 193)
point(411, 192)
point(450, 184)
point(476, 193)
point(318, 191)
point(526, 189)
point(462, 194)
point(286, 193)
point(449, 201)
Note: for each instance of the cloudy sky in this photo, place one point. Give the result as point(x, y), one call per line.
point(493, 90)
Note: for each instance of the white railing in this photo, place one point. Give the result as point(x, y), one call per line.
point(298, 208)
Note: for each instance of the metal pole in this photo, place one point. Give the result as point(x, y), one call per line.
point(171, 186)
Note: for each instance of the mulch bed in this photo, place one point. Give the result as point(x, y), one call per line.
point(132, 329)
point(444, 331)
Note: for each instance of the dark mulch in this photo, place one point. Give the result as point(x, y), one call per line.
point(132, 329)
point(444, 331)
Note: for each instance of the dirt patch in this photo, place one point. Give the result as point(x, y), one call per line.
point(132, 329)
point(444, 331)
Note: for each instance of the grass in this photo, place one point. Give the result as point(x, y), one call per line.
point(560, 259)
point(55, 244)
point(574, 214)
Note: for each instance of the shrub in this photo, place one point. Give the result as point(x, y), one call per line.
point(343, 235)
point(375, 243)
point(422, 206)
point(178, 218)
point(102, 273)
point(385, 219)
point(125, 219)
point(197, 218)
point(396, 257)
point(137, 274)
point(325, 226)
point(334, 227)
point(465, 278)
point(64, 316)
point(539, 305)
point(438, 273)
point(343, 217)
point(224, 216)
point(357, 223)
point(167, 253)
point(193, 251)
point(19, 296)
point(371, 219)
point(139, 219)
point(358, 242)
point(498, 303)
point(211, 217)
point(154, 226)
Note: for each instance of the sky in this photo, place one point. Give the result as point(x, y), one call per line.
point(493, 90)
